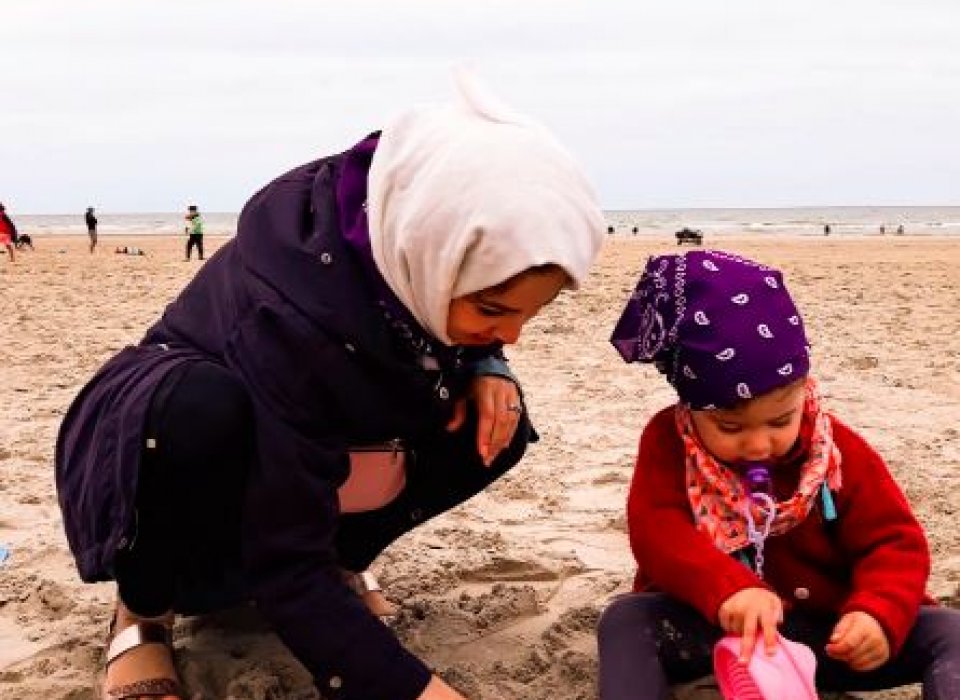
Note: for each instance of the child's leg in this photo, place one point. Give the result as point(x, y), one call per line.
point(937, 635)
point(648, 641)
point(931, 655)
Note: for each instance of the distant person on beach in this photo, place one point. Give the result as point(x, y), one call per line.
point(194, 231)
point(826, 229)
point(332, 378)
point(900, 230)
point(8, 232)
point(91, 227)
point(883, 229)
point(129, 250)
point(753, 509)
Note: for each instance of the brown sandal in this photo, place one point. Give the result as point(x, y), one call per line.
point(366, 586)
point(129, 638)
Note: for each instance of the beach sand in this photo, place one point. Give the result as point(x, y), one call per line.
point(502, 594)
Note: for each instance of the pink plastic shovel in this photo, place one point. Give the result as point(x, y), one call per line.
point(786, 675)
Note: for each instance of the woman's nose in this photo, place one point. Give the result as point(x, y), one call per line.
point(508, 331)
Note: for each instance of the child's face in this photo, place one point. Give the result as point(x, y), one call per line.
point(763, 428)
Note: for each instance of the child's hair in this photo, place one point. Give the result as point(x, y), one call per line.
point(720, 327)
point(739, 404)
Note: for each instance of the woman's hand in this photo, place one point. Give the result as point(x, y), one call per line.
point(498, 410)
point(745, 611)
point(859, 641)
point(438, 690)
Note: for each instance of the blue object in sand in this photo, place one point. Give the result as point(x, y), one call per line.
point(4, 553)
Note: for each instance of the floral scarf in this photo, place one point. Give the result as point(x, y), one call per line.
point(718, 497)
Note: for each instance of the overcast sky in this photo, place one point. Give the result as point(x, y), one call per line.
point(146, 106)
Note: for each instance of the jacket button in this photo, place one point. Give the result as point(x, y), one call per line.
point(443, 392)
point(326, 258)
point(336, 682)
point(122, 544)
point(801, 593)
point(151, 443)
point(349, 347)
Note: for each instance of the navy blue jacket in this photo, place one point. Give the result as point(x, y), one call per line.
point(285, 306)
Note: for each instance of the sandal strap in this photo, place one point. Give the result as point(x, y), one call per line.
point(136, 635)
point(364, 582)
point(151, 688)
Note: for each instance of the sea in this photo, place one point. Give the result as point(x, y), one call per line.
point(802, 221)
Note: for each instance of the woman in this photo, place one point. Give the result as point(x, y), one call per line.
point(8, 232)
point(329, 380)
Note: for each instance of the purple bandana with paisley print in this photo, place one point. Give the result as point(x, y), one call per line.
point(720, 327)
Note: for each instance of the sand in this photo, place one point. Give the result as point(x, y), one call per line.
point(502, 594)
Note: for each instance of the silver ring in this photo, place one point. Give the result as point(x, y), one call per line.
point(516, 408)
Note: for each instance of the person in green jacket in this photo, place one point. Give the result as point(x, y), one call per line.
point(194, 231)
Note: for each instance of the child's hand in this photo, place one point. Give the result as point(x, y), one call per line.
point(859, 641)
point(748, 609)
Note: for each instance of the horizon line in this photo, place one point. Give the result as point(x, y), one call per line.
point(81, 210)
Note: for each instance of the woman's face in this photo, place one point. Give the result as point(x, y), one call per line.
point(496, 315)
point(762, 429)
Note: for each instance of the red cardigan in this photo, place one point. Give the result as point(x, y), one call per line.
point(873, 558)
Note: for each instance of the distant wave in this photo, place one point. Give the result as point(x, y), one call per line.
point(789, 221)
point(148, 223)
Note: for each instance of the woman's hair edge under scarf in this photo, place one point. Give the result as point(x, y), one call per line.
point(464, 197)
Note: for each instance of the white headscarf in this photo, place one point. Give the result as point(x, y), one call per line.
point(463, 197)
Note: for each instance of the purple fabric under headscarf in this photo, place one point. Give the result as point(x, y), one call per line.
point(720, 327)
point(352, 205)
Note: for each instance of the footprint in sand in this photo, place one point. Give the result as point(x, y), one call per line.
point(506, 569)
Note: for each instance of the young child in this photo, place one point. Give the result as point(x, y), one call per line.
point(844, 563)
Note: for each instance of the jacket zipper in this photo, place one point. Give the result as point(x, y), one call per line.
point(393, 446)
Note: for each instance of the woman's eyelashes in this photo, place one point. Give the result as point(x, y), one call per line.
point(489, 311)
